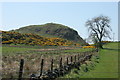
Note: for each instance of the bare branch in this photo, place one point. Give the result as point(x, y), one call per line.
point(99, 27)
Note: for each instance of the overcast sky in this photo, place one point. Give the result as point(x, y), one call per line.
point(72, 14)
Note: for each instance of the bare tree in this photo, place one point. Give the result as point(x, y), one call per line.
point(99, 27)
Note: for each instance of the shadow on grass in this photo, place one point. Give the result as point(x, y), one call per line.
point(112, 49)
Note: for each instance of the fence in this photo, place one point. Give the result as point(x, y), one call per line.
point(71, 62)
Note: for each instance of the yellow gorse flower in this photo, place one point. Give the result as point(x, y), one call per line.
point(88, 47)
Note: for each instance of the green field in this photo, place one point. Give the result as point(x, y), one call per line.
point(102, 65)
point(106, 68)
point(28, 49)
point(32, 55)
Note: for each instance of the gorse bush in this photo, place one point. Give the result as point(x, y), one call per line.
point(33, 39)
point(88, 47)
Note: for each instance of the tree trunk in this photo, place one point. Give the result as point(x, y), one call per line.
point(100, 45)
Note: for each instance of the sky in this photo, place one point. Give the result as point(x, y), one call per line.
point(72, 14)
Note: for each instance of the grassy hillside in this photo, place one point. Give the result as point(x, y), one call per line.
point(33, 39)
point(52, 30)
point(106, 68)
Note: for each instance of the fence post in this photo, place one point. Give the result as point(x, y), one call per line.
point(67, 60)
point(60, 63)
point(75, 58)
point(41, 70)
point(78, 57)
point(52, 65)
point(21, 69)
point(71, 59)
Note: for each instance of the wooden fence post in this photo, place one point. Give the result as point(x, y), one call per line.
point(78, 57)
point(75, 58)
point(67, 60)
point(60, 66)
point(71, 59)
point(41, 70)
point(52, 65)
point(21, 69)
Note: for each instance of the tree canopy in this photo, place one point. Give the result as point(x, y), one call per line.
point(98, 28)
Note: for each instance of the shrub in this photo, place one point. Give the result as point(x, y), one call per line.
point(88, 47)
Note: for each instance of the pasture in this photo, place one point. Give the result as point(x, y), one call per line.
point(106, 68)
point(102, 65)
point(32, 55)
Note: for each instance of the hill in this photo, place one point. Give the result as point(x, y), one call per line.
point(52, 30)
point(32, 39)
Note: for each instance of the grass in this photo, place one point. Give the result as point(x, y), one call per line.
point(106, 68)
point(28, 49)
point(11, 55)
point(22, 49)
point(90, 65)
point(79, 50)
point(14, 50)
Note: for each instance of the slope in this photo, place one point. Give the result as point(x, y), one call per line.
point(52, 30)
point(32, 39)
